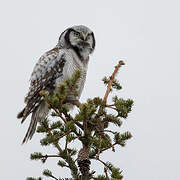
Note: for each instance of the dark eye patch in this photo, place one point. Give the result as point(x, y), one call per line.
point(67, 35)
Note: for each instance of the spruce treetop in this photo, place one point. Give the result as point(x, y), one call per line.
point(90, 126)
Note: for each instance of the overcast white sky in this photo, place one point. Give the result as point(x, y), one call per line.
point(145, 34)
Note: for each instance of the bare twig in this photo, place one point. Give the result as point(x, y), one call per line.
point(109, 105)
point(112, 146)
point(66, 144)
point(59, 148)
point(105, 171)
point(109, 88)
point(111, 80)
point(106, 130)
point(59, 114)
point(72, 119)
point(102, 162)
point(99, 149)
point(47, 156)
point(112, 108)
point(63, 135)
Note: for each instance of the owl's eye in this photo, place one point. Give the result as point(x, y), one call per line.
point(77, 34)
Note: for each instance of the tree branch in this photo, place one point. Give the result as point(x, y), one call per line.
point(105, 171)
point(47, 156)
point(99, 149)
point(106, 130)
point(58, 147)
point(111, 80)
point(112, 146)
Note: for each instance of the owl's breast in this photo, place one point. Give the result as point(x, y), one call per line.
point(72, 64)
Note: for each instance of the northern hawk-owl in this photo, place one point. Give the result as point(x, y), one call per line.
point(54, 67)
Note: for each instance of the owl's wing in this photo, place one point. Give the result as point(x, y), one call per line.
point(46, 71)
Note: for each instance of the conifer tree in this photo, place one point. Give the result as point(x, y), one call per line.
point(90, 126)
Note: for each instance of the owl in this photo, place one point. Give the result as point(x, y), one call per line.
point(70, 54)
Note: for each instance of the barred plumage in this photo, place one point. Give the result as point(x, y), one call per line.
point(55, 66)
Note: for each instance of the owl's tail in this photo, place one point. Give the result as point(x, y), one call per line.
point(38, 114)
point(32, 127)
point(20, 114)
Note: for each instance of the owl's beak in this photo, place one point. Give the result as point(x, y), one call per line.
point(85, 36)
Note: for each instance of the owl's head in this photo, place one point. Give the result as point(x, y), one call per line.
point(80, 38)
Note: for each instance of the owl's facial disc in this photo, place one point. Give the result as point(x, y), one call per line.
point(80, 39)
point(81, 42)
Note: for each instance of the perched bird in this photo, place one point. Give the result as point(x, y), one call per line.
point(54, 67)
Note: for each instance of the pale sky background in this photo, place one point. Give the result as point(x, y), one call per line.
point(145, 34)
